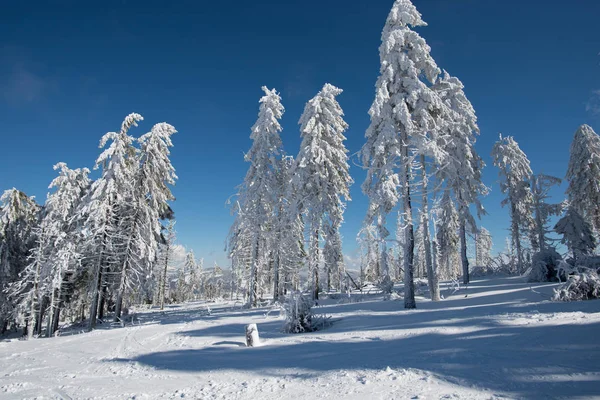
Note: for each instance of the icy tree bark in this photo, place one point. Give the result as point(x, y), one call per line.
point(463, 250)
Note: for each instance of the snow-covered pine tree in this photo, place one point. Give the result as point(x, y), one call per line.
point(257, 196)
point(483, 247)
point(368, 243)
point(19, 217)
point(404, 111)
point(577, 234)
point(447, 236)
point(291, 230)
point(583, 175)
point(108, 201)
point(540, 186)
point(149, 196)
point(238, 246)
point(462, 168)
point(333, 257)
point(515, 175)
point(320, 174)
point(55, 255)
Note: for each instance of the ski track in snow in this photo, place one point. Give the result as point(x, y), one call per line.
point(503, 340)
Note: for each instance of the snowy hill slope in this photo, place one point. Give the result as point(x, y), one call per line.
point(501, 340)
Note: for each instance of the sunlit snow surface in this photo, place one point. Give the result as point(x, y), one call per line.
point(497, 338)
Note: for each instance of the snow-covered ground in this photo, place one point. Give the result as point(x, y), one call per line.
point(498, 338)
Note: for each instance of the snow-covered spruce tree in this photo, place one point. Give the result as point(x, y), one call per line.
point(320, 174)
point(583, 175)
point(19, 216)
point(238, 247)
point(515, 174)
point(333, 257)
point(405, 109)
point(55, 256)
point(149, 197)
point(577, 234)
point(257, 196)
point(291, 246)
point(368, 243)
point(284, 209)
point(447, 236)
point(462, 167)
point(164, 259)
point(540, 186)
point(109, 199)
point(483, 247)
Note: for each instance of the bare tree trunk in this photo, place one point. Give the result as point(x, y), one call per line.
point(409, 249)
point(432, 278)
point(163, 281)
point(276, 288)
point(516, 234)
point(252, 290)
point(315, 262)
point(95, 298)
point(463, 249)
point(103, 298)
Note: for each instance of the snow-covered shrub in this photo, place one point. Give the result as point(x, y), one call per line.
point(545, 266)
point(583, 285)
point(479, 271)
point(298, 314)
point(386, 284)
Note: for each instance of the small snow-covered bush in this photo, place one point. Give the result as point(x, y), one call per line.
point(298, 314)
point(479, 271)
point(583, 285)
point(545, 267)
point(386, 284)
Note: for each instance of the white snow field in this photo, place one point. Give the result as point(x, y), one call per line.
point(498, 338)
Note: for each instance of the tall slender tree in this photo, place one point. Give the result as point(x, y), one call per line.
point(462, 167)
point(19, 216)
point(583, 175)
point(108, 199)
point(321, 171)
point(515, 175)
point(257, 196)
point(540, 187)
point(404, 111)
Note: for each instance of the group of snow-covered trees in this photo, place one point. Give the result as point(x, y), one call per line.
point(285, 202)
point(95, 245)
point(526, 198)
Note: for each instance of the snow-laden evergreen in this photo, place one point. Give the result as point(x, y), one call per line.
point(447, 227)
point(583, 174)
point(54, 260)
point(19, 216)
point(515, 175)
point(462, 167)
point(404, 111)
point(257, 194)
point(321, 174)
point(540, 187)
point(577, 234)
point(483, 247)
point(110, 198)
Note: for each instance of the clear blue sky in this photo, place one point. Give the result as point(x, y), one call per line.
point(70, 71)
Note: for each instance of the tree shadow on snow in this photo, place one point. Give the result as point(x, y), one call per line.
point(526, 361)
